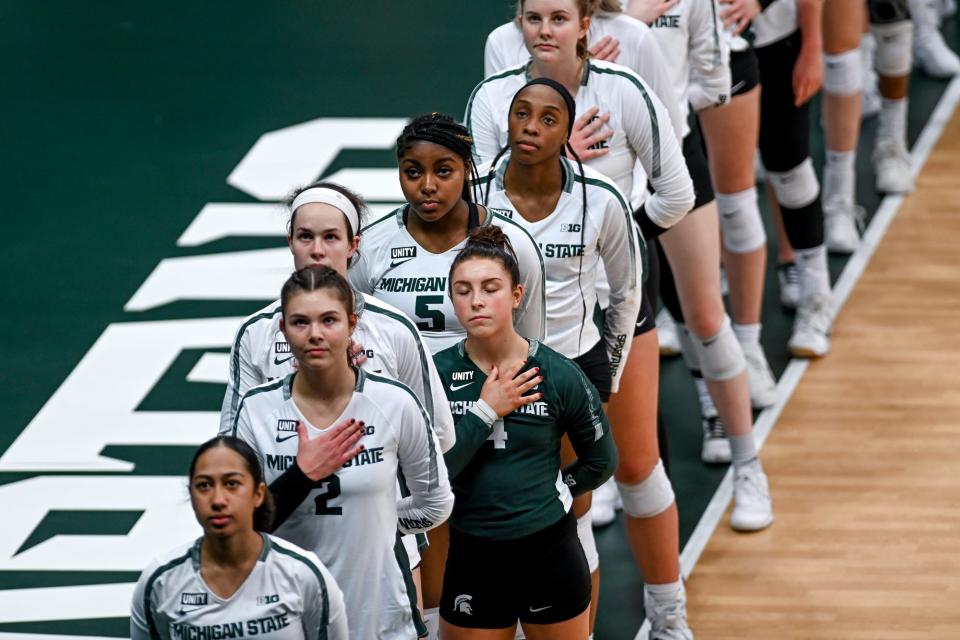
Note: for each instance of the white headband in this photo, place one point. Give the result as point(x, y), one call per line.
point(334, 198)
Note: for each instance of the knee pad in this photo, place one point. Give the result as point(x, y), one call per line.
point(585, 533)
point(431, 619)
point(721, 356)
point(688, 348)
point(797, 187)
point(842, 73)
point(649, 497)
point(894, 48)
point(740, 221)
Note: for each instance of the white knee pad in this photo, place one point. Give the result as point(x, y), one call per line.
point(797, 187)
point(688, 348)
point(894, 45)
point(842, 73)
point(649, 497)
point(740, 221)
point(721, 356)
point(585, 533)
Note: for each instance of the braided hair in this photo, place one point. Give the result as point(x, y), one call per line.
point(567, 149)
point(441, 129)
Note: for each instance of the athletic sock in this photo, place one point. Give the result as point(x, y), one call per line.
point(839, 175)
point(893, 120)
point(747, 333)
point(664, 594)
point(814, 274)
point(707, 408)
point(743, 449)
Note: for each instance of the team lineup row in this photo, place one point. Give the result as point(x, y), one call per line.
point(480, 360)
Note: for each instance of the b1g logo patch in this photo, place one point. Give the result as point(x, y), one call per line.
point(271, 599)
point(573, 227)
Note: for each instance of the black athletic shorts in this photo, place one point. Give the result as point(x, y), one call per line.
point(647, 316)
point(744, 71)
point(595, 364)
point(695, 156)
point(542, 578)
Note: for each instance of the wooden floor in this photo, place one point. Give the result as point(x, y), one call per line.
point(864, 463)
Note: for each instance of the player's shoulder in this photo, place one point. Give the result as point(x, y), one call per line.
point(178, 557)
point(517, 234)
point(503, 80)
point(299, 560)
point(598, 186)
point(385, 392)
point(506, 35)
point(383, 228)
point(615, 76)
point(449, 359)
point(618, 25)
point(267, 394)
point(386, 315)
point(259, 322)
point(554, 364)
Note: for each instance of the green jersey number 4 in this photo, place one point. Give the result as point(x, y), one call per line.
point(499, 435)
point(433, 319)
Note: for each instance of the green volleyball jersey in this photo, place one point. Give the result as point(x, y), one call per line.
point(507, 477)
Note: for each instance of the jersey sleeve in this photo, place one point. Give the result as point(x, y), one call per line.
point(417, 370)
point(481, 122)
point(139, 623)
point(424, 471)
point(587, 427)
point(709, 57)
point(243, 375)
point(658, 150)
point(325, 614)
point(530, 319)
point(619, 250)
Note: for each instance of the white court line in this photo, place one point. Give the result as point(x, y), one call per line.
point(852, 271)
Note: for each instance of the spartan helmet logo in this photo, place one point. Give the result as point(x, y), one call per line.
point(462, 604)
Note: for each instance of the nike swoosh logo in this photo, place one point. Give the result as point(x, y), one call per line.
point(457, 387)
point(532, 610)
point(278, 361)
point(737, 87)
point(397, 263)
point(279, 439)
point(183, 611)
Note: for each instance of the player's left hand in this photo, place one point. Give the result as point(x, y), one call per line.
point(807, 75)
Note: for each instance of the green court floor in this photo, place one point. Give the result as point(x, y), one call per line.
point(121, 121)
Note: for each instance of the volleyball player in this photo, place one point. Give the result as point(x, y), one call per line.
point(560, 202)
point(407, 254)
point(349, 518)
point(323, 229)
point(514, 552)
point(730, 131)
point(235, 580)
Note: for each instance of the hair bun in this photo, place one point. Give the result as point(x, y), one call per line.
point(489, 234)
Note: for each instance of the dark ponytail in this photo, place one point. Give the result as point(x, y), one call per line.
point(263, 515)
point(491, 243)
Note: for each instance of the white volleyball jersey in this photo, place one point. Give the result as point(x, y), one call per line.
point(639, 51)
point(775, 23)
point(351, 519)
point(637, 117)
point(289, 595)
point(393, 266)
point(392, 344)
point(690, 35)
point(574, 244)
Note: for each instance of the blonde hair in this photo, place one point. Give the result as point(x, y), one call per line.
point(585, 8)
